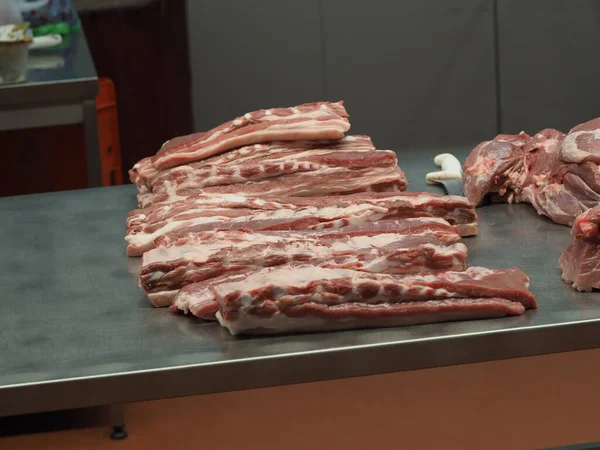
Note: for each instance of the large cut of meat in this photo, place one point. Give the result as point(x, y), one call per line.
point(309, 298)
point(310, 121)
point(307, 214)
point(276, 221)
point(259, 161)
point(386, 247)
point(492, 165)
point(318, 180)
point(234, 236)
point(580, 262)
point(557, 174)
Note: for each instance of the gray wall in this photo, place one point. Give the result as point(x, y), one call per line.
point(413, 73)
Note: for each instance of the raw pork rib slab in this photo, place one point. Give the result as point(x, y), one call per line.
point(255, 162)
point(310, 121)
point(580, 263)
point(166, 269)
point(309, 214)
point(290, 299)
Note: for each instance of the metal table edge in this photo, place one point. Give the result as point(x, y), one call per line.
point(294, 368)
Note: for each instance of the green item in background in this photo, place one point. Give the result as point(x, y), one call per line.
point(62, 28)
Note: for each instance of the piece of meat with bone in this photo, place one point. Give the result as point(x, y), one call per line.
point(582, 144)
point(318, 181)
point(311, 121)
point(580, 262)
point(447, 233)
point(309, 298)
point(317, 213)
point(234, 174)
point(198, 299)
point(249, 162)
point(167, 269)
point(199, 201)
point(493, 165)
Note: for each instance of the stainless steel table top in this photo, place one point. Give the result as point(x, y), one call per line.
point(75, 330)
point(50, 83)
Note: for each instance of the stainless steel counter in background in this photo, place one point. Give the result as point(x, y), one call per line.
point(76, 331)
point(60, 88)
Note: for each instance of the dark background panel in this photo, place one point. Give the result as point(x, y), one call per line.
point(252, 54)
point(548, 63)
point(413, 73)
point(144, 51)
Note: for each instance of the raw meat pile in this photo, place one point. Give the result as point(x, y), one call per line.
point(580, 263)
point(557, 174)
point(277, 221)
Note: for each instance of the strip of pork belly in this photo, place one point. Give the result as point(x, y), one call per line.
point(169, 269)
point(161, 212)
point(313, 317)
point(443, 230)
point(199, 299)
point(334, 212)
point(310, 121)
point(310, 293)
point(310, 161)
point(245, 159)
point(319, 181)
point(160, 266)
point(144, 174)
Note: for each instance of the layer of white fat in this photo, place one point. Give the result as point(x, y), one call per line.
point(280, 323)
point(570, 152)
point(162, 298)
point(281, 276)
point(196, 253)
point(417, 200)
point(288, 276)
point(305, 129)
point(142, 239)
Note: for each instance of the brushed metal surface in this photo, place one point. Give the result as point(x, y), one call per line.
point(76, 331)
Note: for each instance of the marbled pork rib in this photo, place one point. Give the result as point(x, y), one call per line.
point(242, 160)
point(160, 212)
point(580, 262)
point(313, 214)
point(311, 121)
point(380, 254)
point(299, 299)
point(198, 298)
point(165, 270)
point(319, 181)
point(235, 174)
point(447, 233)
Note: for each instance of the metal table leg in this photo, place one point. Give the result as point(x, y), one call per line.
point(92, 146)
point(117, 422)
